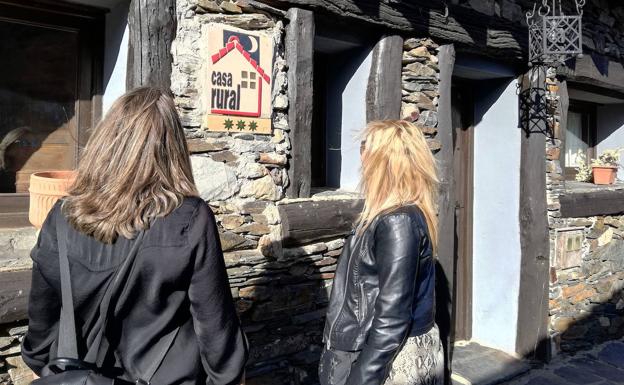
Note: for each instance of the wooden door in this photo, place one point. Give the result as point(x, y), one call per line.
point(50, 82)
point(463, 133)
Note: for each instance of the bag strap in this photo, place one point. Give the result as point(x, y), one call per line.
point(68, 346)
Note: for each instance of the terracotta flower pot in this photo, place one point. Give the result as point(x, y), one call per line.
point(604, 174)
point(45, 189)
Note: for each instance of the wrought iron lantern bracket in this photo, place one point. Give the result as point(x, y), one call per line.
point(553, 36)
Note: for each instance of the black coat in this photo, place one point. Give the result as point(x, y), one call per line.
point(178, 280)
point(383, 292)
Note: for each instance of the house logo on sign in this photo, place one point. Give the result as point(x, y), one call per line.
point(238, 83)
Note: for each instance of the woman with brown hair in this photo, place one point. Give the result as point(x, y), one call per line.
point(380, 323)
point(166, 318)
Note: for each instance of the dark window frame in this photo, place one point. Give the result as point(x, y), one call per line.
point(589, 129)
point(88, 23)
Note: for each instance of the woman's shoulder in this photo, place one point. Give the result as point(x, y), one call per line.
point(191, 210)
point(402, 215)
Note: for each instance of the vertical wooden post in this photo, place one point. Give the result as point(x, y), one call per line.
point(300, 59)
point(383, 93)
point(532, 335)
point(446, 205)
point(152, 28)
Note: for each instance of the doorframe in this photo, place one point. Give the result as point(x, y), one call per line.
point(463, 168)
point(446, 206)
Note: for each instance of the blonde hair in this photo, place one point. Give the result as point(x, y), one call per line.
point(135, 167)
point(398, 169)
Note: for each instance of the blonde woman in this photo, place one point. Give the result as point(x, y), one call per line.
point(380, 323)
point(166, 318)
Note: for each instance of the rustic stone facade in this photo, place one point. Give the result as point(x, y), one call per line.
point(281, 294)
point(12, 367)
point(420, 80)
point(586, 297)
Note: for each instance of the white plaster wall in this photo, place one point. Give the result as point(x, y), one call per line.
point(115, 54)
point(610, 130)
point(353, 121)
point(496, 230)
point(346, 116)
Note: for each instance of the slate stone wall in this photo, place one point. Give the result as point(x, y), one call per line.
point(586, 297)
point(420, 80)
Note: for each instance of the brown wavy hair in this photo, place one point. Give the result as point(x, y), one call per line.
point(398, 169)
point(135, 168)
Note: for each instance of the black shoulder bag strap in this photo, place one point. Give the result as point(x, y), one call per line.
point(67, 345)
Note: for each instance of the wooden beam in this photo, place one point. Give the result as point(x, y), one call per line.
point(312, 221)
point(300, 59)
point(591, 203)
point(152, 27)
point(446, 205)
point(468, 29)
point(383, 93)
point(596, 70)
point(14, 293)
point(532, 333)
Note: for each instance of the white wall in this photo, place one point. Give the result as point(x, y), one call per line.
point(496, 230)
point(115, 54)
point(610, 130)
point(353, 121)
point(346, 116)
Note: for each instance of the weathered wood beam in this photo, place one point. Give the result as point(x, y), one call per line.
point(589, 204)
point(152, 28)
point(532, 330)
point(300, 59)
point(595, 70)
point(14, 292)
point(312, 221)
point(446, 205)
point(468, 29)
point(383, 93)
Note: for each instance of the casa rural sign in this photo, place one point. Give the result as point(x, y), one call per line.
point(238, 80)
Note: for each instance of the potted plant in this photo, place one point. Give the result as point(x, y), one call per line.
point(604, 168)
point(45, 189)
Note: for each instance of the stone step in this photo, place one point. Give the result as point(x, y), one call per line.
point(475, 364)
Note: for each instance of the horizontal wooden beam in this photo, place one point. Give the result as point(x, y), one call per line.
point(14, 290)
point(312, 221)
point(596, 70)
point(592, 203)
point(468, 29)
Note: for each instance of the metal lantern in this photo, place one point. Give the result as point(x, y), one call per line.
point(553, 36)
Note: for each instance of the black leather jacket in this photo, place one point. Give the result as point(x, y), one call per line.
point(383, 292)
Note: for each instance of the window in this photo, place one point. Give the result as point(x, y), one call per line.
point(49, 61)
point(249, 80)
point(580, 136)
point(341, 72)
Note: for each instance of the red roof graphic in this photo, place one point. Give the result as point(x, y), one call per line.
point(233, 42)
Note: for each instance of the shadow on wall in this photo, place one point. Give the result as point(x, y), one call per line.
point(282, 305)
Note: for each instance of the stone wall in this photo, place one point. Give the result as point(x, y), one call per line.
point(12, 367)
point(420, 80)
point(586, 300)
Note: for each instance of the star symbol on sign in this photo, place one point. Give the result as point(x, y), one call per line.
point(240, 125)
point(228, 124)
point(253, 126)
